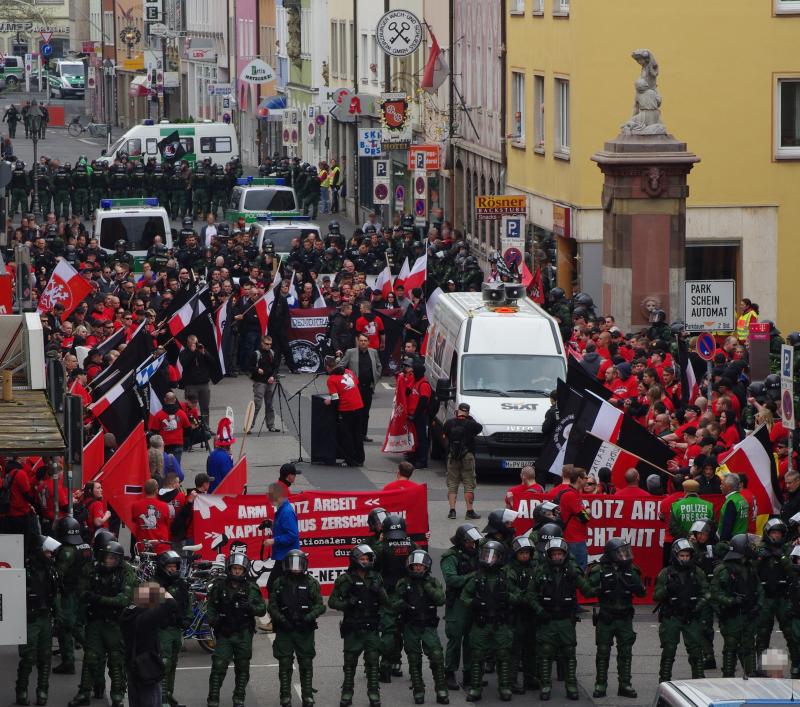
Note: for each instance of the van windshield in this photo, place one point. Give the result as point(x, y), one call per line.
point(510, 375)
point(268, 200)
point(72, 69)
point(137, 231)
point(282, 238)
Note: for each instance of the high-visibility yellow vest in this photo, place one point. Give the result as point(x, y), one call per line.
point(743, 324)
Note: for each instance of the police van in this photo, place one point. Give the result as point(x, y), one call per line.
point(726, 692)
point(13, 71)
point(208, 139)
point(66, 77)
point(261, 197)
point(275, 234)
point(502, 354)
point(135, 221)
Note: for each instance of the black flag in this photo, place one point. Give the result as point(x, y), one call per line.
point(171, 148)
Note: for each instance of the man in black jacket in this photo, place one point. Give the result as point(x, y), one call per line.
point(415, 320)
point(264, 371)
point(248, 325)
point(279, 324)
point(196, 363)
point(341, 331)
point(460, 432)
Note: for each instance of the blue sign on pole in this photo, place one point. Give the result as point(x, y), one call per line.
point(47, 50)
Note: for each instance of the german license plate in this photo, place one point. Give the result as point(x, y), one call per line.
point(515, 463)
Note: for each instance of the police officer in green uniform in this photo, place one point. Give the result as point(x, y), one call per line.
point(734, 516)
point(392, 555)
point(552, 596)
point(219, 185)
point(360, 594)
point(168, 575)
point(20, 188)
point(560, 309)
point(523, 653)
point(80, 187)
point(312, 192)
point(707, 555)
point(793, 594)
point(45, 186)
point(98, 185)
point(458, 564)
point(109, 591)
point(490, 595)
point(233, 603)
point(73, 564)
point(688, 510)
point(41, 596)
point(177, 185)
point(295, 604)
point(160, 183)
point(614, 581)
point(375, 524)
point(681, 593)
point(118, 180)
point(62, 183)
point(421, 595)
point(199, 194)
point(737, 595)
point(137, 180)
point(774, 575)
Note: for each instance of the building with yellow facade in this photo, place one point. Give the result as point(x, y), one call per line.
point(730, 82)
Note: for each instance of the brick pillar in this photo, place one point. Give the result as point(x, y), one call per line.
point(644, 226)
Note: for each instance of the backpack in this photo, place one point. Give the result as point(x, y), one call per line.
point(5, 491)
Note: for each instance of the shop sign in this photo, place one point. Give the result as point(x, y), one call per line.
point(562, 220)
point(490, 207)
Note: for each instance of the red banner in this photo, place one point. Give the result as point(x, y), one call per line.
point(330, 523)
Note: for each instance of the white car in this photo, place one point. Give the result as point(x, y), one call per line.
point(261, 197)
point(281, 232)
point(726, 692)
point(135, 221)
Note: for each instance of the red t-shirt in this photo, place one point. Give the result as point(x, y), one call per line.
point(170, 426)
point(632, 492)
point(345, 386)
point(44, 490)
point(519, 489)
point(151, 518)
point(571, 506)
point(419, 389)
point(20, 493)
point(372, 328)
point(664, 510)
point(96, 510)
point(623, 389)
point(729, 436)
point(400, 485)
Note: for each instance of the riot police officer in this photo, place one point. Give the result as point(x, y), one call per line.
point(62, 183)
point(793, 593)
point(20, 188)
point(559, 308)
point(523, 653)
point(458, 563)
point(737, 595)
point(375, 524)
point(360, 594)
point(233, 603)
point(109, 591)
point(200, 193)
point(490, 594)
point(118, 180)
point(295, 604)
point(545, 513)
point(614, 581)
point(707, 555)
point(80, 188)
point(421, 595)
point(334, 238)
point(681, 593)
point(500, 526)
point(219, 185)
point(168, 575)
point(121, 255)
point(187, 230)
point(138, 180)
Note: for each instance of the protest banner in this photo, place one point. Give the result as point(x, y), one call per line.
point(330, 524)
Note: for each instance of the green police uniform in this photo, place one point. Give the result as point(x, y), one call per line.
point(177, 185)
point(81, 177)
point(421, 597)
point(118, 181)
point(219, 184)
point(20, 189)
point(490, 595)
point(737, 594)
point(552, 596)
point(232, 606)
point(686, 511)
point(524, 646)
point(199, 195)
point(793, 595)
point(62, 183)
point(41, 587)
point(171, 636)
point(138, 182)
point(45, 183)
point(457, 567)
point(614, 584)
point(74, 567)
point(360, 594)
point(707, 557)
point(742, 512)
point(109, 591)
point(295, 603)
point(98, 187)
point(311, 197)
point(681, 593)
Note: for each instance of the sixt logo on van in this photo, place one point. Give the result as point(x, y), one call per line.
point(519, 406)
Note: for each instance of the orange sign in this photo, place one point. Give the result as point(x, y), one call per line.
point(494, 207)
point(562, 221)
point(427, 157)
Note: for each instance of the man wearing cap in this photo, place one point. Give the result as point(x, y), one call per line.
point(286, 476)
point(219, 462)
point(685, 511)
point(460, 432)
point(364, 359)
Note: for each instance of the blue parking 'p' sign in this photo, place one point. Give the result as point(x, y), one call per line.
point(512, 226)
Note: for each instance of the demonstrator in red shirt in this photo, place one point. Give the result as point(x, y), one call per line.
point(402, 479)
point(344, 392)
point(527, 477)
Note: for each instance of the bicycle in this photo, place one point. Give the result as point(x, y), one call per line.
point(76, 128)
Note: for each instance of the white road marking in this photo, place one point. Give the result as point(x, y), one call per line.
point(387, 385)
point(205, 667)
point(87, 142)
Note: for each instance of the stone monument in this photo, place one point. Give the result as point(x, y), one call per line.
point(644, 209)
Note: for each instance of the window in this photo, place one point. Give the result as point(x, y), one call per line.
point(518, 108)
point(518, 7)
point(538, 7)
point(353, 46)
point(363, 60)
point(334, 67)
point(373, 58)
point(787, 7)
point(343, 50)
point(562, 118)
point(215, 144)
point(134, 148)
point(538, 112)
point(788, 118)
point(151, 145)
point(560, 7)
point(270, 199)
point(137, 231)
point(188, 144)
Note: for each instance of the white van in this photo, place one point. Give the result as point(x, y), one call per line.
point(726, 692)
point(254, 198)
point(200, 140)
point(503, 359)
point(135, 221)
point(66, 77)
point(280, 232)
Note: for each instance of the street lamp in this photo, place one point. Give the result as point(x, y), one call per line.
point(35, 123)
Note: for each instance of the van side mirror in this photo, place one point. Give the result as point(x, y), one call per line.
point(444, 391)
point(103, 152)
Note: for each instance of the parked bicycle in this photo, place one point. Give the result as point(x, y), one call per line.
point(76, 128)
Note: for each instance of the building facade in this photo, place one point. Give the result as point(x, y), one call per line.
point(570, 86)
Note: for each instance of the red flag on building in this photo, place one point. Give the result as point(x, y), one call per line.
point(235, 480)
point(65, 287)
point(399, 435)
point(93, 455)
point(436, 69)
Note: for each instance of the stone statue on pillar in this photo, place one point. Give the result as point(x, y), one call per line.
point(646, 118)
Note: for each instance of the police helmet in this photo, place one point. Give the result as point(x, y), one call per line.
point(188, 222)
point(394, 527)
point(492, 554)
point(757, 390)
point(522, 543)
point(68, 166)
point(772, 384)
point(583, 299)
point(237, 559)
point(618, 551)
point(546, 533)
point(48, 546)
point(19, 165)
point(101, 540)
point(121, 243)
point(416, 559)
point(466, 533)
point(471, 262)
point(774, 525)
point(111, 556)
point(793, 339)
point(332, 252)
point(702, 526)
point(375, 519)
point(795, 556)
point(333, 227)
point(417, 244)
point(164, 563)
point(295, 562)
point(740, 547)
point(580, 313)
point(677, 326)
point(556, 294)
point(362, 557)
point(554, 545)
point(500, 521)
point(679, 546)
point(794, 521)
point(370, 228)
point(659, 316)
point(546, 511)
point(68, 531)
point(408, 222)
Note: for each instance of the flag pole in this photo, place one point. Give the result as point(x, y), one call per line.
point(248, 425)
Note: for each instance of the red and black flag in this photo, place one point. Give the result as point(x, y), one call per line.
point(120, 409)
point(171, 148)
point(555, 450)
point(204, 327)
point(133, 355)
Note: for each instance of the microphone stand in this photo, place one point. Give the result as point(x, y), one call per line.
point(299, 425)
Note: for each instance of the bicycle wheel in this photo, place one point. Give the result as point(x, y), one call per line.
point(75, 129)
point(209, 645)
